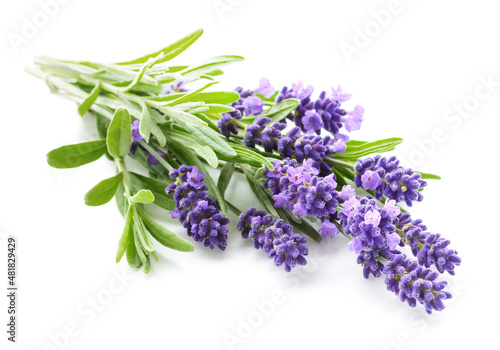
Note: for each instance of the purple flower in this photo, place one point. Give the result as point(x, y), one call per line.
point(395, 182)
point(393, 240)
point(311, 121)
point(195, 178)
point(265, 88)
point(355, 245)
point(354, 119)
point(253, 105)
point(135, 131)
point(300, 91)
point(369, 259)
point(199, 214)
point(371, 180)
point(339, 96)
point(391, 208)
point(347, 192)
point(260, 133)
point(372, 217)
point(414, 284)
point(328, 229)
point(369, 225)
point(152, 159)
point(429, 249)
point(351, 207)
point(339, 146)
point(292, 186)
point(274, 237)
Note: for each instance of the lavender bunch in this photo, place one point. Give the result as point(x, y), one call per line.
point(290, 145)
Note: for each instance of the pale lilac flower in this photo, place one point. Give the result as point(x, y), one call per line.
point(347, 191)
point(356, 245)
point(265, 88)
point(298, 175)
point(253, 105)
point(312, 121)
point(328, 229)
point(339, 96)
point(392, 209)
point(300, 91)
point(309, 167)
point(372, 217)
point(370, 180)
point(354, 119)
point(195, 178)
point(351, 207)
point(339, 146)
point(331, 180)
point(393, 240)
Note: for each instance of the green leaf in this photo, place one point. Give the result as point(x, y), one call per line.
point(163, 235)
point(183, 118)
point(131, 252)
point(189, 158)
point(188, 97)
point(280, 110)
point(121, 200)
point(104, 191)
point(170, 51)
point(143, 196)
point(142, 234)
point(225, 177)
point(85, 106)
point(221, 97)
point(201, 149)
point(157, 188)
point(380, 146)
point(427, 176)
point(212, 64)
point(126, 235)
point(119, 134)
point(72, 156)
point(248, 154)
point(146, 123)
point(137, 79)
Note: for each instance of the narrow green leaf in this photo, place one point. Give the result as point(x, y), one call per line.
point(248, 154)
point(104, 191)
point(72, 156)
point(143, 196)
point(146, 123)
point(211, 64)
point(131, 252)
point(170, 51)
point(137, 80)
point(380, 146)
point(201, 149)
point(225, 177)
point(280, 110)
point(163, 235)
point(85, 106)
point(142, 234)
point(188, 97)
point(119, 134)
point(427, 176)
point(157, 188)
point(183, 118)
point(221, 97)
point(126, 235)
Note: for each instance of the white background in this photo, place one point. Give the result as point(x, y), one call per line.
point(427, 58)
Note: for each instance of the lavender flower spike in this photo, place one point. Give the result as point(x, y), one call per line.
point(198, 213)
point(274, 237)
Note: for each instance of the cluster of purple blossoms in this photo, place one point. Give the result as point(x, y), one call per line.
point(274, 237)
point(315, 147)
point(302, 190)
point(325, 112)
point(259, 133)
point(371, 261)
point(386, 177)
point(413, 283)
point(430, 249)
point(198, 213)
point(372, 228)
point(247, 104)
point(138, 137)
